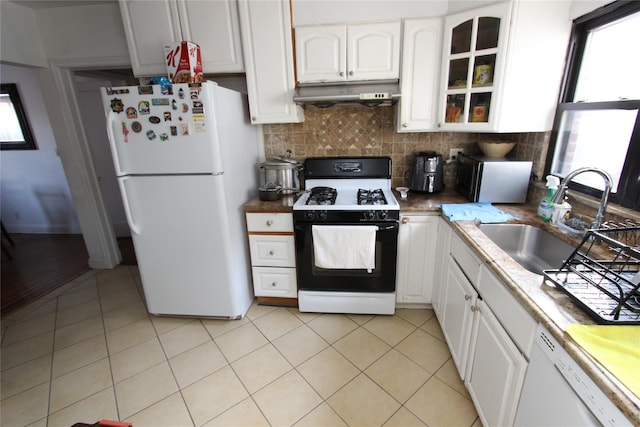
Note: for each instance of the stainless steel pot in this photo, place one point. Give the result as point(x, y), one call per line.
point(281, 172)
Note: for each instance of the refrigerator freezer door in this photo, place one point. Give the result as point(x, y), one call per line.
point(192, 257)
point(156, 130)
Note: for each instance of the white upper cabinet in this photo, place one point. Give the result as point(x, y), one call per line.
point(473, 60)
point(321, 53)
point(268, 56)
point(148, 26)
point(213, 25)
point(501, 69)
point(348, 52)
point(421, 47)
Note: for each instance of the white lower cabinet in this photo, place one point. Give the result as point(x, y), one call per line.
point(272, 248)
point(489, 359)
point(442, 263)
point(274, 282)
point(456, 320)
point(417, 239)
point(496, 369)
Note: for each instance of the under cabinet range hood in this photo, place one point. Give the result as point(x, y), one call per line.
point(371, 94)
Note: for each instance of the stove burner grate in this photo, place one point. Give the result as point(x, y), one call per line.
point(371, 197)
point(322, 196)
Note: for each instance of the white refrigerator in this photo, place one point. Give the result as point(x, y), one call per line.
point(185, 156)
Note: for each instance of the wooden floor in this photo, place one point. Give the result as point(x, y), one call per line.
point(40, 263)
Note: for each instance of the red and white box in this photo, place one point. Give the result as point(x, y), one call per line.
point(184, 63)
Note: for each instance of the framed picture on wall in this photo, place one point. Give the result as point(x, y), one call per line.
point(15, 132)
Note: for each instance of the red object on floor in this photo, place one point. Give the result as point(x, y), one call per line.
point(105, 423)
point(110, 423)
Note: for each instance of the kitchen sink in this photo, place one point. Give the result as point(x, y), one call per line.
point(533, 248)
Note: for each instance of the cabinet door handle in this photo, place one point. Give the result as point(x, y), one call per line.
point(405, 125)
point(341, 73)
point(475, 308)
point(439, 125)
point(351, 73)
point(405, 220)
point(269, 223)
point(467, 297)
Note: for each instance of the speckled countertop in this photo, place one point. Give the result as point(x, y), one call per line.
point(549, 306)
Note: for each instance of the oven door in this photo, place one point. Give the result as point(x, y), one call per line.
point(381, 279)
point(469, 177)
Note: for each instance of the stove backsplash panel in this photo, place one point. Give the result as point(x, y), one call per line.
point(364, 131)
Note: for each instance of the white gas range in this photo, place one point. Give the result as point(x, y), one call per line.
point(346, 226)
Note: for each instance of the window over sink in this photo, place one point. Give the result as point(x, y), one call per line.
point(597, 121)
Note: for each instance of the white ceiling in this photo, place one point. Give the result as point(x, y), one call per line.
point(44, 4)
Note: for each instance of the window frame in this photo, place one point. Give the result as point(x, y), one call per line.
point(28, 142)
point(628, 194)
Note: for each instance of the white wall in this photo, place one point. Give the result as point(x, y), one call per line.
point(582, 7)
point(313, 12)
point(34, 194)
point(309, 12)
point(19, 36)
point(89, 31)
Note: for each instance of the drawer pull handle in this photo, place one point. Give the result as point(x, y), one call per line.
point(272, 253)
point(405, 220)
point(274, 284)
point(269, 223)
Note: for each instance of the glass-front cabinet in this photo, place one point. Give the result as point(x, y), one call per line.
point(472, 64)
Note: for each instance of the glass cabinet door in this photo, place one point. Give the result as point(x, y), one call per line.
point(470, 64)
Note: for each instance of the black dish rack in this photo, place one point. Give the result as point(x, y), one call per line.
point(603, 274)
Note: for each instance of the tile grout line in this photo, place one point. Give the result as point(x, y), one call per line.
point(53, 346)
point(106, 343)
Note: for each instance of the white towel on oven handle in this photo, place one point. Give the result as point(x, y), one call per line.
point(345, 246)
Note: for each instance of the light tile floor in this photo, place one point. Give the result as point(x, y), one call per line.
point(90, 351)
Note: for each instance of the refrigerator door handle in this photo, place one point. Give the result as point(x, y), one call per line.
point(127, 207)
point(112, 117)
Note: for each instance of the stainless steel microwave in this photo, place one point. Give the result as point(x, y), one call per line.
point(485, 179)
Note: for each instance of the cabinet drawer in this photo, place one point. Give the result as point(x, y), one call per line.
point(518, 323)
point(274, 282)
point(466, 259)
point(270, 222)
point(272, 250)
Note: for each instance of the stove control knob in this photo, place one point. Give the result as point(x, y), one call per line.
point(309, 216)
point(382, 214)
point(370, 216)
point(322, 216)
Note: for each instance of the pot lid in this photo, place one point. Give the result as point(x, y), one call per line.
point(280, 163)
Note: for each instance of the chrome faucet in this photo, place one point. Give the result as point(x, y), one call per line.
point(559, 196)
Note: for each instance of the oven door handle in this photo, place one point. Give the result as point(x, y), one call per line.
point(381, 227)
point(391, 226)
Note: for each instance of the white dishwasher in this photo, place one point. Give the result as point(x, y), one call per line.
point(557, 392)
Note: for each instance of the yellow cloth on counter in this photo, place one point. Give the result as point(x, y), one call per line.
point(616, 347)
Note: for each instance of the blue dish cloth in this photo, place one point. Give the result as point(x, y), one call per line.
point(482, 212)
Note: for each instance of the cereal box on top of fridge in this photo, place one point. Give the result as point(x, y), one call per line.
point(184, 63)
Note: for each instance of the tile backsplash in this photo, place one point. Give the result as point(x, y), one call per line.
point(364, 131)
